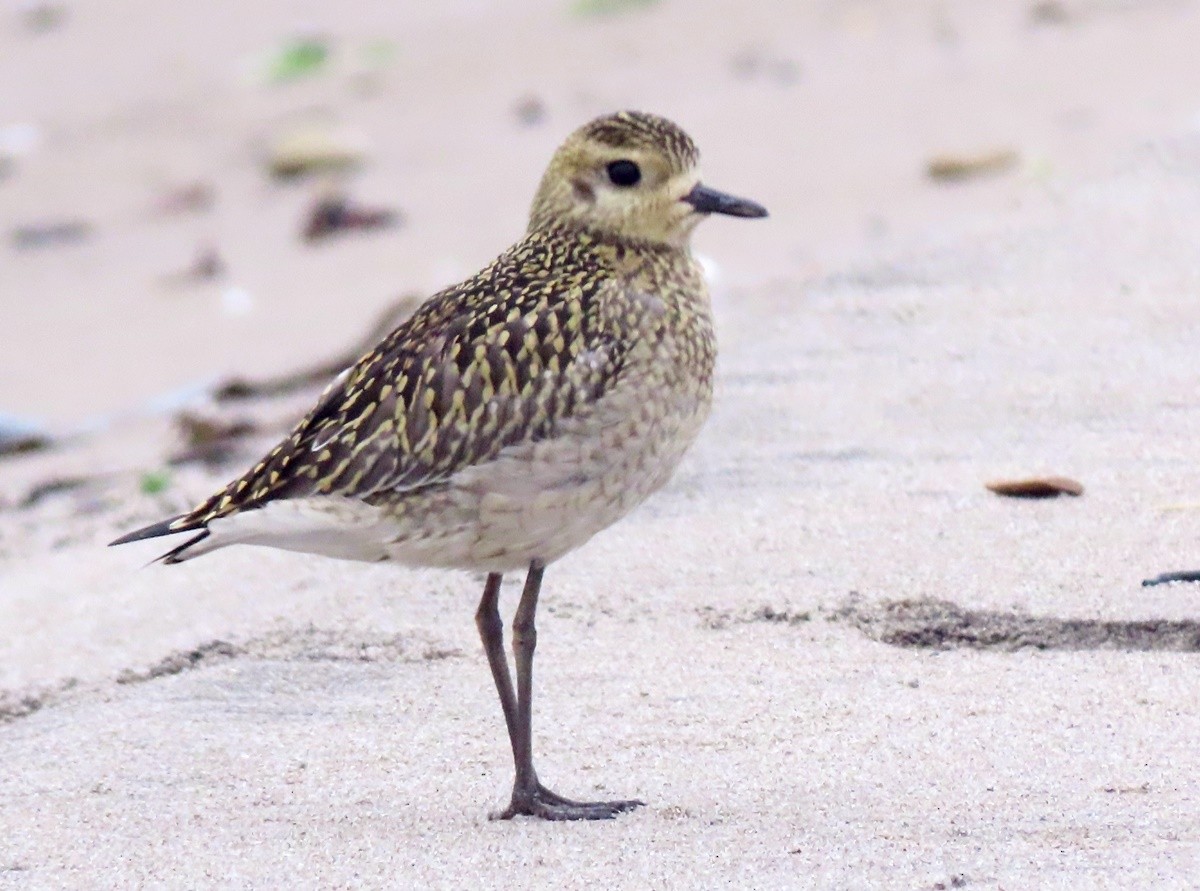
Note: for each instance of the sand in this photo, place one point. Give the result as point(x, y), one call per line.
point(825, 655)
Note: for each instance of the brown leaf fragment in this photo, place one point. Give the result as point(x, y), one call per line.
point(20, 444)
point(54, 486)
point(208, 439)
point(280, 385)
point(955, 168)
point(335, 213)
point(1036, 487)
point(19, 436)
point(201, 430)
point(315, 148)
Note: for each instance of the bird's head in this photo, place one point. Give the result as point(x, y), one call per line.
point(631, 175)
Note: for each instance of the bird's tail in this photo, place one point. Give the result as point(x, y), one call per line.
point(181, 523)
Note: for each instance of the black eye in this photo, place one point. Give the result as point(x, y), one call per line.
point(624, 174)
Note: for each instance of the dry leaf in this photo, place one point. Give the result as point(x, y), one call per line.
point(322, 372)
point(316, 149)
point(335, 213)
point(1036, 487)
point(210, 440)
point(952, 168)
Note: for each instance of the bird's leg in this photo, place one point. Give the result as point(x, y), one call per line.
point(529, 796)
point(491, 632)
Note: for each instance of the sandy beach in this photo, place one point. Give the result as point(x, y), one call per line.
point(826, 656)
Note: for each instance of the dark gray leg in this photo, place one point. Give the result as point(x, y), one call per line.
point(491, 632)
point(524, 643)
point(529, 796)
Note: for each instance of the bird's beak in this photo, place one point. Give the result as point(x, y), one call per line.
point(706, 200)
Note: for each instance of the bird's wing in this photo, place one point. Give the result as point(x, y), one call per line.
point(463, 378)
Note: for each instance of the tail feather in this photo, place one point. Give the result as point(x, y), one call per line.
point(177, 555)
point(166, 527)
point(169, 526)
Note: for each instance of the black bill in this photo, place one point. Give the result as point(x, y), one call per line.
point(707, 200)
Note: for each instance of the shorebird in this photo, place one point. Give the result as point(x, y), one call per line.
point(516, 414)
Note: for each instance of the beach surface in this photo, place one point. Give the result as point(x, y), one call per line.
point(825, 656)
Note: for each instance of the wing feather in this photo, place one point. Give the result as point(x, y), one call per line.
point(463, 378)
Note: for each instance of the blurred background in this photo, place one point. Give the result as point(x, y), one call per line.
point(193, 191)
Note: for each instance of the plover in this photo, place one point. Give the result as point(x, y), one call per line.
point(516, 414)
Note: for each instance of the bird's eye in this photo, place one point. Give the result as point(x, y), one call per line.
point(624, 174)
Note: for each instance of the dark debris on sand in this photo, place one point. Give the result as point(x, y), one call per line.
point(940, 624)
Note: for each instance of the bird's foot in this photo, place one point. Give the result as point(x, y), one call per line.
point(538, 801)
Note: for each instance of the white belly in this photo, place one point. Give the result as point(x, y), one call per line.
point(537, 501)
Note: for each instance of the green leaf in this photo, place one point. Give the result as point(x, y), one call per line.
point(607, 7)
point(298, 58)
point(155, 481)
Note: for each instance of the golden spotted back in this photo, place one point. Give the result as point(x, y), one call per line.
point(537, 337)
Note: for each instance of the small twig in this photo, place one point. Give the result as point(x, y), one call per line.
point(1187, 575)
point(322, 372)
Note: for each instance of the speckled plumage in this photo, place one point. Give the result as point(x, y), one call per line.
point(516, 414)
point(510, 418)
point(568, 359)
